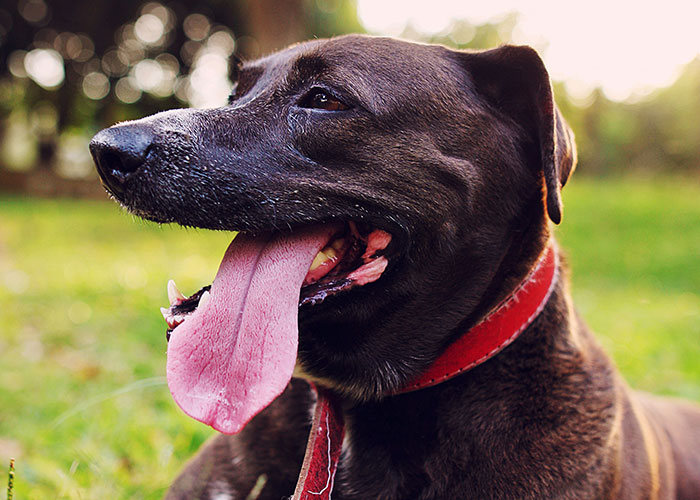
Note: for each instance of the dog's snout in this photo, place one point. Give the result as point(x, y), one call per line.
point(118, 152)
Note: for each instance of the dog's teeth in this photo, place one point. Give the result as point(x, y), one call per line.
point(175, 296)
point(328, 253)
point(174, 321)
point(165, 312)
point(320, 258)
point(204, 299)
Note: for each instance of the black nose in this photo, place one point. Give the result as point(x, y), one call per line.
point(119, 152)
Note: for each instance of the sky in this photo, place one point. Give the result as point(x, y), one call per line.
point(626, 47)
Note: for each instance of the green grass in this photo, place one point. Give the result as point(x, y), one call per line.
point(83, 403)
point(634, 252)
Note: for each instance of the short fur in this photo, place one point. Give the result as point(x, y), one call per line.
point(461, 157)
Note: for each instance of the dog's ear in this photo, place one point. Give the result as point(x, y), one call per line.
point(514, 80)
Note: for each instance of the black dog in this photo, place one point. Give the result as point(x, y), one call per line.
point(428, 179)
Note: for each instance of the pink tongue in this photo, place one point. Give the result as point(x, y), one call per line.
point(235, 354)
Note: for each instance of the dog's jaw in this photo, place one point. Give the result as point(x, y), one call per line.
point(352, 258)
point(235, 354)
point(233, 346)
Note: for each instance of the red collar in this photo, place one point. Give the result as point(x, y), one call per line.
point(486, 339)
point(498, 328)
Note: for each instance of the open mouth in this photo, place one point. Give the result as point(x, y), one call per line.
point(354, 256)
point(232, 345)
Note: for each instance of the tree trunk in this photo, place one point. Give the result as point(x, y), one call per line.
point(274, 24)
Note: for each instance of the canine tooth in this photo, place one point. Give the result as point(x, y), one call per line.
point(165, 312)
point(320, 258)
point(175, 296)
point(330, 252)
point(204, 299)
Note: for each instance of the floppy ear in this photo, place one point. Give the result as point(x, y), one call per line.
point(514, 80)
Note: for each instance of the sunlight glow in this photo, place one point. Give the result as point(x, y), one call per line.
point(627, 47)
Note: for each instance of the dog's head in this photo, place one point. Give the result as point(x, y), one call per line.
point(387, 193)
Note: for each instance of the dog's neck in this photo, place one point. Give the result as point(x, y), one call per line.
point(472, 415)
point(499, 327)
point(492, 334)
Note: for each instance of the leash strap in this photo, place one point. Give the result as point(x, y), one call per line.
point(322, 449)
point(492, 334)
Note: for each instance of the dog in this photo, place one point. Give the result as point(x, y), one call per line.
point(391, 197)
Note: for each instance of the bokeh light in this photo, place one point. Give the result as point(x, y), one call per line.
point(149, 29)
point(127, 91)
point(189, 51)
point(208, 83)
point(34, 11)
point(113, 65)
point(72, 46)
point(148, 74)
point(222, 41)
point(162, 12)
point(15, 63)
point(96, 85)
point(162, 54)
point(196, 27)
point(139, 62)
point(45, 67)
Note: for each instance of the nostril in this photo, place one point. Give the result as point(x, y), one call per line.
point(110, 162)
point(120, 161)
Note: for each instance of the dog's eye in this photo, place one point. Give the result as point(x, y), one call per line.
point(321, 99)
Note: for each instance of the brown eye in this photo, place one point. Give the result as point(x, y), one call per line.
point(320, 99)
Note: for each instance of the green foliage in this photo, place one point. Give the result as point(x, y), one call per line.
point(464, 35)
point(660, 131)
point(85, 407)
point(328, 18)
point(116, 61)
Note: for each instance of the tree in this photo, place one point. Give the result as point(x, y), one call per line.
point(82, 64)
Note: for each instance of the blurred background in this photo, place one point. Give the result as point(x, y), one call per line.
point(84, 408)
